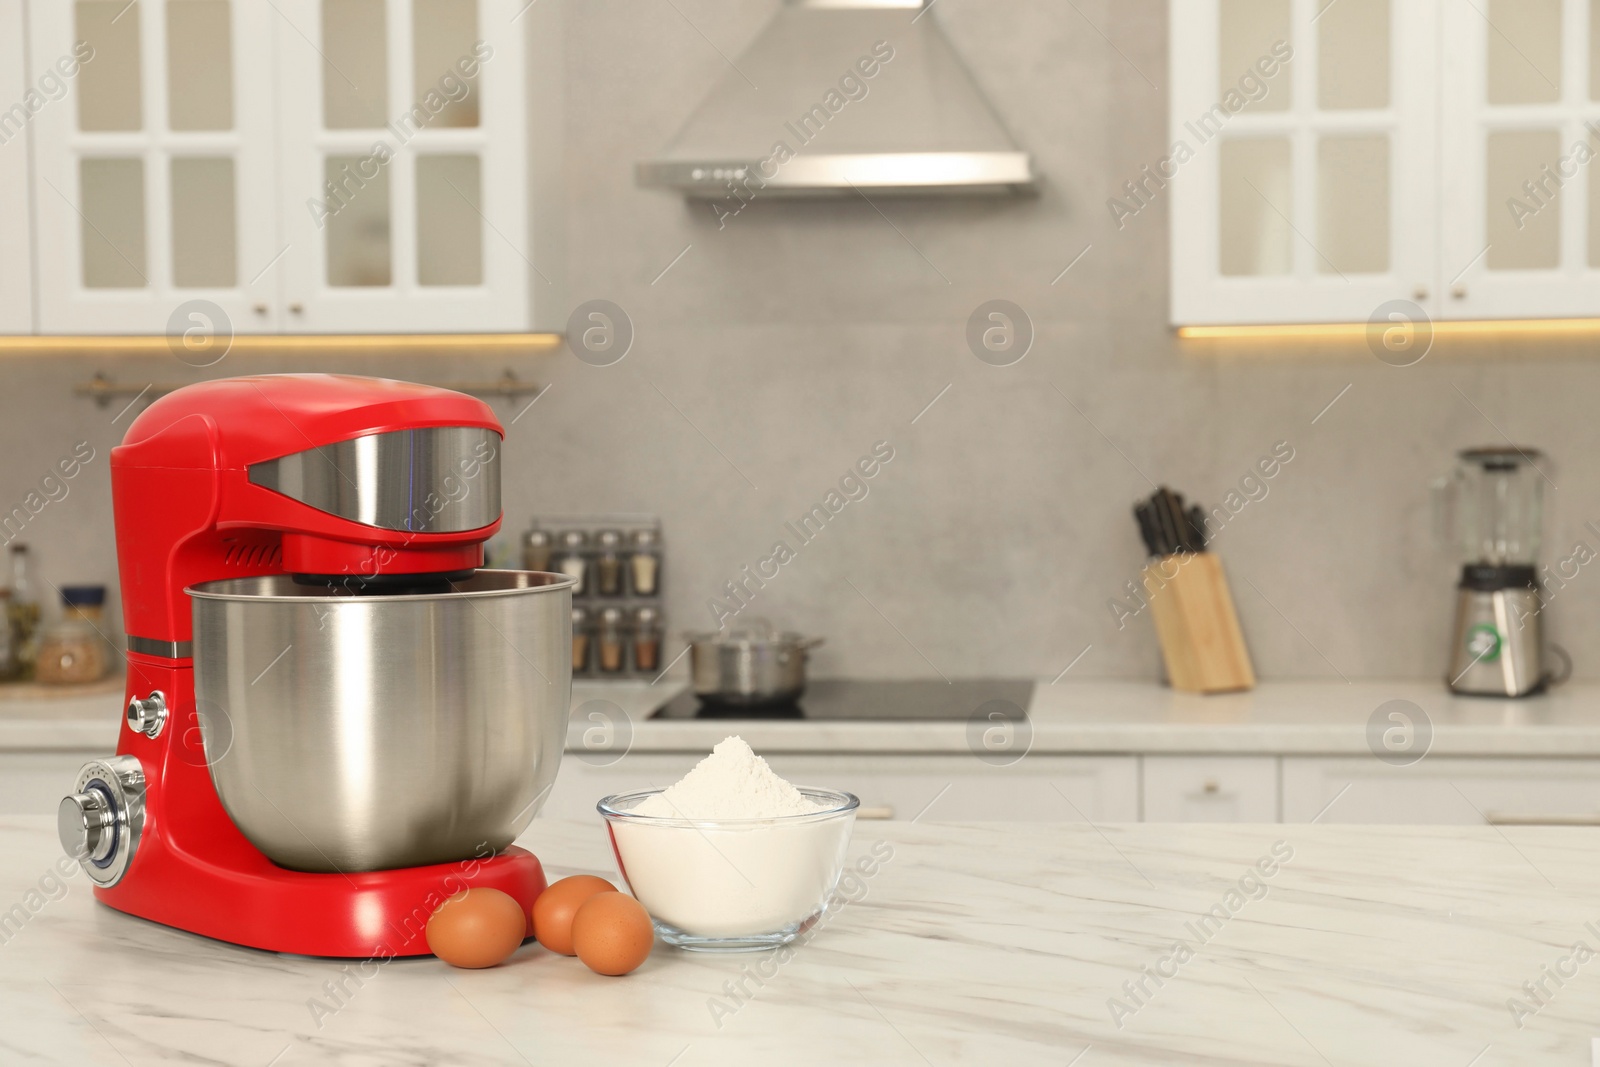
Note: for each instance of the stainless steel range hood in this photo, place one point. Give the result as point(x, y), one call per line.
point(839, 95)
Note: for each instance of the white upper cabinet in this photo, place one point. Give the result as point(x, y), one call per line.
point(1399, 152)
point(153, 175)
point(1521, 193)
point(402, 165)
point(16, 246)
point(1307, 177)
point(301, 166)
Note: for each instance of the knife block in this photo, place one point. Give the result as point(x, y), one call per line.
point(1195, 622)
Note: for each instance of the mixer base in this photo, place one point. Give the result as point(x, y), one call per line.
point(364, 915)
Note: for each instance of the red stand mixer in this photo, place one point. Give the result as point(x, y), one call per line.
point(336, 720)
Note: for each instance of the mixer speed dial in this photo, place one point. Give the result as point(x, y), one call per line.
point(87, 824)
point(100, 821)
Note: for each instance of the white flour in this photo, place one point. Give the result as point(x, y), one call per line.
point(731, 783)
point(746, 876)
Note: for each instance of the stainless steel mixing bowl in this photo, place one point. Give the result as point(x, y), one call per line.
point(367, 732)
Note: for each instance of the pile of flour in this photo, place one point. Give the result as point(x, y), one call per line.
point(731, 783)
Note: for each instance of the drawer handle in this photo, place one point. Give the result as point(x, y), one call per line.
point(1211, 786)
point(1503, 818)
point(882, 811)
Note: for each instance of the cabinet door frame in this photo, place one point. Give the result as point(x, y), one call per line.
point(1201, 294)
point(16, 235)
point(1572, 288)
point(501, 302)
point(66, 305)
point(1438, 790)
point(1168, 790)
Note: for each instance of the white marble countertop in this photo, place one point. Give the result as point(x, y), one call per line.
point(1276, 718)
point(997, 943)
point(1284, 718)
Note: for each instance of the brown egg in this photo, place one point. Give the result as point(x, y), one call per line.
point(612, 933)
point(555, 907)
point(476, 928)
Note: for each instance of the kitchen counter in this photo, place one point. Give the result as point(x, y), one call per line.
point(979, 943)
point(1283, 718)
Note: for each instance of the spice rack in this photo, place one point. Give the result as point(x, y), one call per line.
point(617, 620)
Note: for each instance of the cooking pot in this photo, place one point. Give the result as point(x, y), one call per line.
point(367, 732)
point(749, 668)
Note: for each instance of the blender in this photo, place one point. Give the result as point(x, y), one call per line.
point(1494, 505)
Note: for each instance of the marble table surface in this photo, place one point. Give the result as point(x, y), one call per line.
point(1276, 718)
point(972, 943)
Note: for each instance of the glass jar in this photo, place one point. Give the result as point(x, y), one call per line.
point(612, 639)
point(581, 629)
point(8, 659)
point(608, 563)
point(647, 639)
point(86, 602)
point(22, 612)
point(572, 558)
point(537, 546)
point(70, 652)
point(644, 561)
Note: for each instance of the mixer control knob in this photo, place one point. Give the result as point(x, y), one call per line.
point(87, 823)
point(101, 821)
point(148, 715)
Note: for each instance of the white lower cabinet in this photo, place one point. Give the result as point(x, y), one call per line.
point(1440, 791)
point(1210, 789)
point(940, 788)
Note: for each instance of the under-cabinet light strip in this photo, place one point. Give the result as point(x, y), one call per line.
point(1335, 330)
point(534, 342)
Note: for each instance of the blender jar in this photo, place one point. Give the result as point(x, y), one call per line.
point(1497, 499)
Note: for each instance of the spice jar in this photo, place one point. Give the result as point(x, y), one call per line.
point(572, 558)
point(581, 629)
point(644, 561)
point(86, 602)
point(69, 652)
point(608, 563)
point(647, 639)
point(612, 638)
point(537, 546)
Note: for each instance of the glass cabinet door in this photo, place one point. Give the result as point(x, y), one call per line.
point(402, 154)
point(154, 195)
point(1522, 127)
point(16, 244)
point(1301, 164)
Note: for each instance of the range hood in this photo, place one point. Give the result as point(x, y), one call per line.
point(839, 95)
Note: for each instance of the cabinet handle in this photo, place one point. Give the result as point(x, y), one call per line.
point(882, 811)
point(296, 308)
point(259, 309)
point(1506, 818)
point(1211, 786)
point(1420, 293)
point(1459, 292)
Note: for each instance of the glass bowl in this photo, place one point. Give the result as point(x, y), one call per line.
point(731, 885)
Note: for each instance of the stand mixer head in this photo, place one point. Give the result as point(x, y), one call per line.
point(335, 719)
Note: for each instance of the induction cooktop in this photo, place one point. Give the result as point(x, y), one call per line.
point(919, 700)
